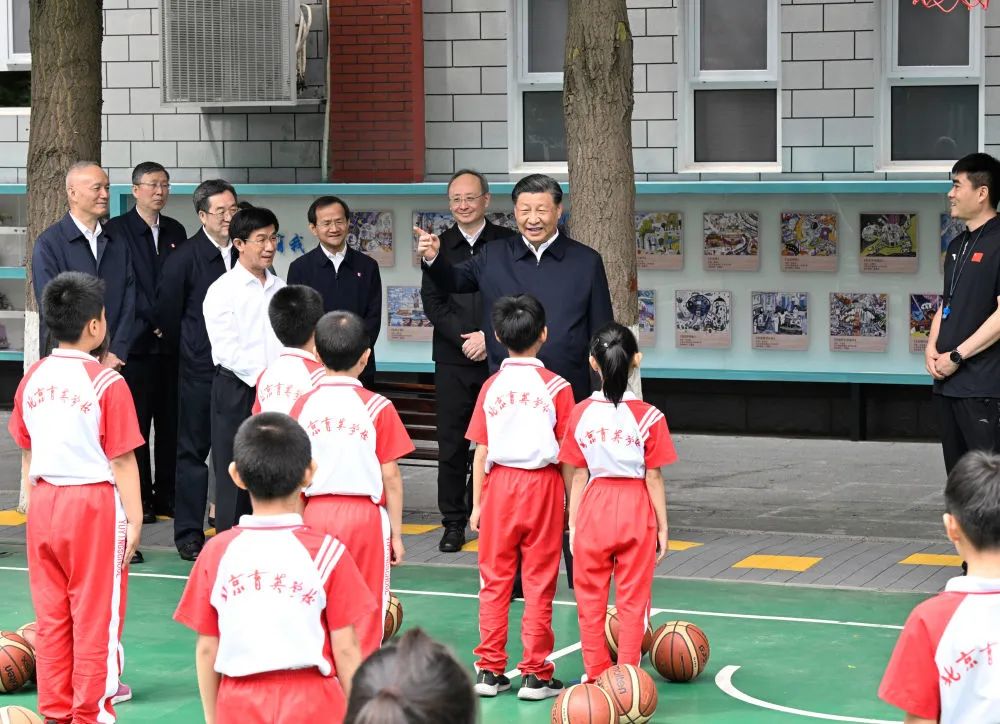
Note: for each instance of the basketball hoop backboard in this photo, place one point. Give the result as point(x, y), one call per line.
point(946, 6)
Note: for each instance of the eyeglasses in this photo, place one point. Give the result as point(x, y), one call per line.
point(223, 213)
point(459, 200)
point(163, 187)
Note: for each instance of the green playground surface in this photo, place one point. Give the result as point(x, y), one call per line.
point(779, 654)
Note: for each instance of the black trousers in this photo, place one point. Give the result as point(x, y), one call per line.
point(152, 379)
point(194, 440)
point(457, 387)
point(967, 423)
point(232, 403)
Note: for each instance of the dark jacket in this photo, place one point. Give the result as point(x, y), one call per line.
point(184, 280)
point(62, 247)
point(356, 287)
point(456, 314)
point(147, 261)
point(569, 281)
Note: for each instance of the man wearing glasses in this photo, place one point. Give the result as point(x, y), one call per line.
point(151, 372)
point(459, 350)
point(184, 280)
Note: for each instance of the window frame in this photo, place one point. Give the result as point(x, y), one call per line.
point(519, 81)
point(9, 60)
point(695, 79)
point(892, 75)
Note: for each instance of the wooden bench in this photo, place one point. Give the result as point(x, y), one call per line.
point(416, 405)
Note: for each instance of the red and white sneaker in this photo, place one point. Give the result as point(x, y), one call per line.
point(124, 693)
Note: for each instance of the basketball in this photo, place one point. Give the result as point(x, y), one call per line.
point(393, 618)
point(632, 691)
point(17, 662)
point(18, 715)
point(611, 634)
point(680, 651)
point(29, 632)
point(584, 704)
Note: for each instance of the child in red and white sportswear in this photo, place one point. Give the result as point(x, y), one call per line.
point(617, 507)
point(518, 499)
point(76, 424)
point(357, 437)
point(946, 665)
point(274, 603)
point(293, 312)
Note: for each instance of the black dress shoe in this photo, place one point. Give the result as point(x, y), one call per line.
point(148, 517)
point(452, 540)
point(137, 557)
point(189, 551)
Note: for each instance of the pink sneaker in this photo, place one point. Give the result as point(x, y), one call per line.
point(124, 693)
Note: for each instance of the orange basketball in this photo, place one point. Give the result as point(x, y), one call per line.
point(633, 692)
point(393, 618)
point(18, 715)
point(29, 632)
point(680, 651)
point(611, 634)
point(584, 704)
point(17, 662)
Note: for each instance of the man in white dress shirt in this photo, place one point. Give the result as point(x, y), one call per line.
point(243, 344)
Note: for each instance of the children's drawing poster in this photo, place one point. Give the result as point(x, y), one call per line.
point(647, 318)
point(703, 319)
point(889, 243)
point(808, 241)
point(922, 309)
point(779, 320)
point(406, 319)
point(658, 241)
point(859, 322)
point(370, 233)
point(732, 241)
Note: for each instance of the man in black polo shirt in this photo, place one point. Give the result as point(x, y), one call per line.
point(962, 352)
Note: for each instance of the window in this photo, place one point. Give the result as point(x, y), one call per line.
point(15, 53)
point(536, 132)
point(731, 70)
point(931, 100)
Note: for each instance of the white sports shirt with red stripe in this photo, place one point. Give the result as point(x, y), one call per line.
point(75, 416)
point(272, 590)
point(946, 664)
point(354, 431)
point(621, 441)
point(521, 415)
point(285, 380)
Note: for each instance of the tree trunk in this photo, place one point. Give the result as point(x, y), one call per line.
point(65, 40)
point(597, 99)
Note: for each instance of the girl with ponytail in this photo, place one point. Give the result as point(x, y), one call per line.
point(616, 444)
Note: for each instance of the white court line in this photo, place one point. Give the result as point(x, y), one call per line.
point(724, 680)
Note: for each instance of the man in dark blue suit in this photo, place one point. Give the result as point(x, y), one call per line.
point(77, 242)
point(151, 372)
point(346, 279)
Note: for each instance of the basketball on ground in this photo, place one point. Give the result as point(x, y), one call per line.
point(680, 651)
point(611, 634)
point(632, 691)
point(18, 715)
point(393, 618)
point(17, 662)
point(584, 704)
point(29, 632)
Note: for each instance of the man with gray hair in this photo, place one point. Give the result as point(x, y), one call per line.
point(77, 242)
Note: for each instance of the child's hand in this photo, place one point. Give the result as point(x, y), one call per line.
point(133, 531)
point(661, 543)
point(398, 550)
point(474, 519)
point(572, 535)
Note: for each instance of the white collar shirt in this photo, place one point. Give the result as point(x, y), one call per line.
point(474, 236)
point(541, 249)
point(224, 250)
point(238, 327)
point(337, 258)
point(90, 236)
point(155, 228)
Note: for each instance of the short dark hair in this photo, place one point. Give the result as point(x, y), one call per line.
point(293, 312)
point(247, 221)
point(272, 453)
point(69, 302)
point(538, 183)
point(208, 189)
point(484, 185)
point(417, 680)
point(518, 321)
point(982, 170)
point(972, 495)
point(341, 339)
point(322, 202)
point(147, 167)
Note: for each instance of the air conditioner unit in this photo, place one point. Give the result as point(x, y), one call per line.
point(228, 52)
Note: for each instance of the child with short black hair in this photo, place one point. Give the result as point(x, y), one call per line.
point(76, 424)
point(293, 312)
point(274, 603)
point(946, 664)
point(519, 499)
point(357, 437)
point(617, 506)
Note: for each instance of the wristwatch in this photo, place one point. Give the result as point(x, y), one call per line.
point(956, 357)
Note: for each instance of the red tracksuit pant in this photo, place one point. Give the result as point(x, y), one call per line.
point(280, 697)
point(363, 527)
point(523, 514)
point(615, 533)
point(78, 578)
